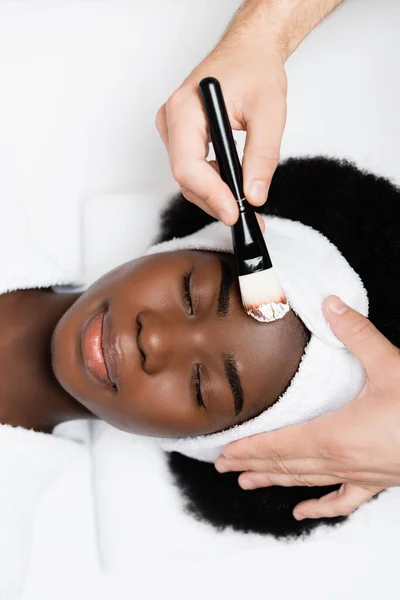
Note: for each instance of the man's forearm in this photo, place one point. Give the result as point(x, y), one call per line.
point(281, 23)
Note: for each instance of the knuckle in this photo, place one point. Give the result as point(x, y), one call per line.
point(374, 386)
point(180, 172)
point(276, 455)
point(187, 194)
point(276, 468)
point(361, 328)
point(335, 449)
point(265, 159)
point(175, 101)
point(299, 481)
point(239, 465)
point(212, 202)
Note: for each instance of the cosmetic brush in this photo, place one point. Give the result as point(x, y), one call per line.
point(262, 295)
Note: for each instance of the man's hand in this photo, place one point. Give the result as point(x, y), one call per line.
point(358, 446)
point(249, 63)
point(252, 76)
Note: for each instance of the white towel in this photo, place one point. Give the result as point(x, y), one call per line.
point(29, 463)
point(310, 268)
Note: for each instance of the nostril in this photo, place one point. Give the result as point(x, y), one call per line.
point(138, 324)
point(153, 333)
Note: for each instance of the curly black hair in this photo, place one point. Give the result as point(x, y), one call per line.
point(360, 213)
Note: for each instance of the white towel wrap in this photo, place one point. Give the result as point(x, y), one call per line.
point(310, 268)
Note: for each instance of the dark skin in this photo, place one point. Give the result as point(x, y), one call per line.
point(30, 395)
point(174, 348)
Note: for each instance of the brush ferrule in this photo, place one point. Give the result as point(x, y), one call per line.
point(243, 205)
point(248, 242)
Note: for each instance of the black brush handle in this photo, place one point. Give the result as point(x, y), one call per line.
point(248, 241)
point(221, 136)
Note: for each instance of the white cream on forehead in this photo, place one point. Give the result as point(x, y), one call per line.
point(262, 296)
point(266, 313)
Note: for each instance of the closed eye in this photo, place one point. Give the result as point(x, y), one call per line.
point(197, 386)
point(187, 294)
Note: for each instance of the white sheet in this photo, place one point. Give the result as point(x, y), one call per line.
point(171, 556)
point(81, 82)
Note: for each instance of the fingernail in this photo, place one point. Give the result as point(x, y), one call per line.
point(258, 192)
point(222, 466)
point(337, 306)
point(247, 484)
point(299, 516)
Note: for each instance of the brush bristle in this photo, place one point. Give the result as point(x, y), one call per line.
point(262, 296)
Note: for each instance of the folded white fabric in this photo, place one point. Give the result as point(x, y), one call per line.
point(29, 463)
point(310, 268)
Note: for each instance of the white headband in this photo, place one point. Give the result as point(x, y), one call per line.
point(310, 268)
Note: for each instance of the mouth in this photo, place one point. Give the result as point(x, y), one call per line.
point(98, 351)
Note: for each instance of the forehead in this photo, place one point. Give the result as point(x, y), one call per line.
point(163, 269)
point(267, 356)
point(176, 257)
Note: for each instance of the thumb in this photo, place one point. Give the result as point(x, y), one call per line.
point(357, 333)
point(261, 151)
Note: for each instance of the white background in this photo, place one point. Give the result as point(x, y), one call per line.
point(81, 82)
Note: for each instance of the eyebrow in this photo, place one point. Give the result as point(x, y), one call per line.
point(224, 289)
point(232, 375)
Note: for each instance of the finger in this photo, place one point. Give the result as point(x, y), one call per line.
point(192, 197)
point(316, 466)
point(339, 503)
point(297, 441)
point(188, 148)
point(261, 222)
point(214, 165)
point(261, 152)
point(161, 124)
point(251, 481)
point(358, 334)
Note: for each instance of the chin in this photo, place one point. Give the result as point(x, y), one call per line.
point(64, 357)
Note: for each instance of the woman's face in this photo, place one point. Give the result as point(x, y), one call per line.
point(162, 346)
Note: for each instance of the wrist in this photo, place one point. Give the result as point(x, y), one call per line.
point(278, 26)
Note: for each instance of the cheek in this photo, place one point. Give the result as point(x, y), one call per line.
point(159, 406)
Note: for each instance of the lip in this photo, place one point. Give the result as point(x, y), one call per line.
point(96, 355)
point(110, 352)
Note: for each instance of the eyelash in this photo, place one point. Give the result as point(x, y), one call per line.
point(186, 288)
point(189, 303)
point(197, 387)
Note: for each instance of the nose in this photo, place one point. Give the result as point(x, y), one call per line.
point(165, 341)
